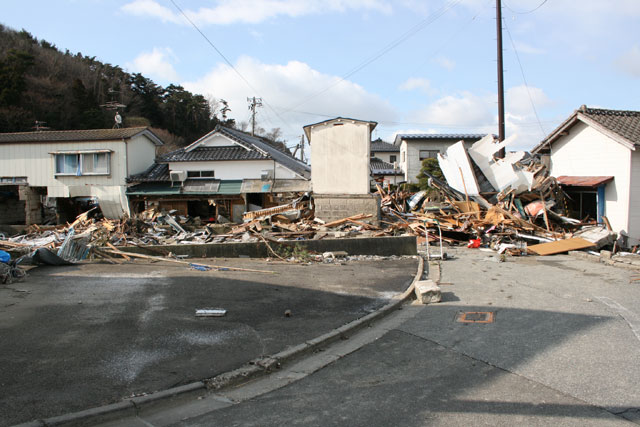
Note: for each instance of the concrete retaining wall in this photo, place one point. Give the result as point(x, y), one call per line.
point(332, 207)
point(385, 246)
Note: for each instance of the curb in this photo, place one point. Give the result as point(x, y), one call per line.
point(607, 261)
point(249, 371)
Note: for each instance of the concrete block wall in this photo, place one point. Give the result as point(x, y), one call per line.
point(32, 206)
point(331, 207)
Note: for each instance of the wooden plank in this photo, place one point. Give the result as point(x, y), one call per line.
point(560, 246)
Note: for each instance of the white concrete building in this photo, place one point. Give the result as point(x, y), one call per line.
point(594, 154)
point(73, 164)
point(414, 148)
point(340, 150)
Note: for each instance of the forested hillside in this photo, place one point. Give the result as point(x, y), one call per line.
point(40, 83)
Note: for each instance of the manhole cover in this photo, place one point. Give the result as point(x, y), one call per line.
point(476, 317)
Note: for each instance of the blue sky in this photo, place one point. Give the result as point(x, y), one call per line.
point(413, 66)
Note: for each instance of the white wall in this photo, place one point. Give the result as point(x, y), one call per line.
point(413, 163)
point(386, 156)
point(217, 140)
point(588, 152)
point(35, 161)
point(340, 157)
point(634, 202)
point(235, 169)
point(141, 152)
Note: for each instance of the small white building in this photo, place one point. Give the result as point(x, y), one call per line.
point(72, 164)
point(594, 154)
point(414, 148)
point(384, 151)
point(340, 150)
point(341, 169)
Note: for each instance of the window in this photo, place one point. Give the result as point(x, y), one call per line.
point(200, 174)
point(83, 164)
point(428, 154)
point(392, 159)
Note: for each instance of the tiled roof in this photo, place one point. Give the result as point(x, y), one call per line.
point(199, 154)
point(379, 145)
point(380, 167)
point(624, 123)
point(621, 125)
point(157, 172)
point(285, 159)
point(76, 135)
point(431, 136)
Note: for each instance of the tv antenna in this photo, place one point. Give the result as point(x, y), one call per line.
point(114, 105)
point(40, 126)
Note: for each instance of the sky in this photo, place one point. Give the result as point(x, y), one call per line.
point(412, 66)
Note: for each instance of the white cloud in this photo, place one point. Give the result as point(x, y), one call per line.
point(152, 9)
point(467, 112)
point(414, 83)
point(446, 63)
point(629, 62)
point(291, 95)
point(252, 11)
point(155, 65)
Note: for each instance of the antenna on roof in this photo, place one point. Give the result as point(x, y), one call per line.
point(114, 105)
point(40, 126)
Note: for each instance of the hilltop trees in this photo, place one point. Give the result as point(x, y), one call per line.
point(39, 82)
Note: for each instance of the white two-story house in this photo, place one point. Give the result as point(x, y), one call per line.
point(69, 165)
point(225, 173)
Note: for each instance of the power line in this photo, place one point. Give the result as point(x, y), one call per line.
point(526, 85)
point(226, 60)
point(528, 11)
point(411, 32)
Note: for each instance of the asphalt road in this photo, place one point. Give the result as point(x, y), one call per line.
point(76, 337)
point(563, 349)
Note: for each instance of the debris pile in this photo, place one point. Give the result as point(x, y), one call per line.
point(503, 204)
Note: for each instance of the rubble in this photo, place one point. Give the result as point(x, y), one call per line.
point(511, 206)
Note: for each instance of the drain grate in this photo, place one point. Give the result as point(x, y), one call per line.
point(476, 317)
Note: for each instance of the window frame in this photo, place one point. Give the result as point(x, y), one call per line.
point(191, 174)
point(80, 163)
point(432, 154)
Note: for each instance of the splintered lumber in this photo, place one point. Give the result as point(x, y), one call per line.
point(177, 261)
point(560, 246)
point(344, 220)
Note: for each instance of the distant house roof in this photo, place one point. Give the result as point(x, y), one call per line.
point(622, 126)
point(379, 146)
point(380, 167)
point(248, 148)
point(78, 135)
point(307, 128)
point(200, 154)
point(433, 136)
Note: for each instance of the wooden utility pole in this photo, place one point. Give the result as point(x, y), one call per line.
point(253, 103)
point(501, 133)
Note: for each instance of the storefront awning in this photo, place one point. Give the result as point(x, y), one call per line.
point(584, 181)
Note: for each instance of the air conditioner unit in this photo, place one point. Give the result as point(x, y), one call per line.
point(178, 176)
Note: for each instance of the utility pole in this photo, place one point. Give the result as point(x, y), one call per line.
point(501, 133)
point(253, 103)
point(302, 148)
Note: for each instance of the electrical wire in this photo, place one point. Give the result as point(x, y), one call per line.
point(524, 79)
point(228, 62)
point(528, 11)
point(405, 36)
